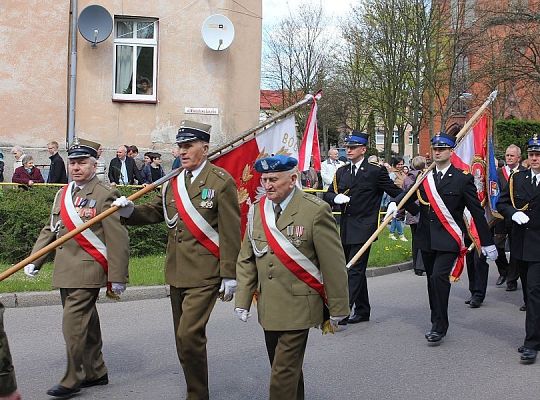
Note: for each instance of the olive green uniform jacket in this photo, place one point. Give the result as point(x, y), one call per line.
point(7, 374)
point(73, 266)
point(285, 302)
point(188, 262)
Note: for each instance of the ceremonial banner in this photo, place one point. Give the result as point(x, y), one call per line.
point(310, 141)
point(280, 138)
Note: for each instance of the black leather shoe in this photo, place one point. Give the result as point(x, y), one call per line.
point(511, 286)
point(434, 338)
point(104, 380)
point(475, 303)
point(62, 391)
point(520, 349)
point(500, 280)
point(523, 307)
point(419, 272)
point(357, 318)
point(468, 301)
point(528, 356)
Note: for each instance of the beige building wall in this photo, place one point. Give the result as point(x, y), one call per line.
point(34, 75)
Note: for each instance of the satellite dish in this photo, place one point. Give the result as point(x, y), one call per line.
point(217, 32)
point(95, 24)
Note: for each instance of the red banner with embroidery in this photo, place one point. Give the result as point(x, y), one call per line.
point(288, 255)
point(196, 224)
point(448, 223)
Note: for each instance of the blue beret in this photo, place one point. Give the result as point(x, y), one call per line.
point(442, 139)
point(357, 138)
point(533, 144)
point(275, 163)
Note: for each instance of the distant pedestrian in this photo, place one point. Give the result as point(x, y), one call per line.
point(18, 154)
point(329, 167)
point(28, 174)
point(57, 170)
point(153, 171)
point(122, 169)
point(1, 167)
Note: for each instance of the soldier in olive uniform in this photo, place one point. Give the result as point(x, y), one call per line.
point(8, 384)
point(520, 203)
point(80, 271)
point(284, 258)
point(201, 209)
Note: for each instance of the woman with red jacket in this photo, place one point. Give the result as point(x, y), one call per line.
point(28, 174)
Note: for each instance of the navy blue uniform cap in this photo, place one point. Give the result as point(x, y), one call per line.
point(533, 144)
point(442, 139)
point(357, 138)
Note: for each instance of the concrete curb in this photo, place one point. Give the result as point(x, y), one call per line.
point(52, 298)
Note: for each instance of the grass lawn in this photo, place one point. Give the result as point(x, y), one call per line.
point(148, 271)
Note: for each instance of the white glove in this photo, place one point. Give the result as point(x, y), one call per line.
point(227, 289)
point(334, 322)
point(242, 314)
point(520, 218)
point(490, 252)
point(118, 288)
point(125, 206)
point(391, 210)
point(30, 270)
point(341, 199)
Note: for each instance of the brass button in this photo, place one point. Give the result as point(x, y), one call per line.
point(270, 276)
point(270, 264)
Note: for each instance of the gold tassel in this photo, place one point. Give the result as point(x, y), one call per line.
point(111, 295)
point(327, 327)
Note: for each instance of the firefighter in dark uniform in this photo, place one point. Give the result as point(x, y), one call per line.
point(442, 243)
point(358, 188)
point(520, 203)
point(8, 384)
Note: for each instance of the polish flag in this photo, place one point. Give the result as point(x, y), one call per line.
point(279, 138)
point(310, 142)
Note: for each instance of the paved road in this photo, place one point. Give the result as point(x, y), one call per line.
point(386, 358)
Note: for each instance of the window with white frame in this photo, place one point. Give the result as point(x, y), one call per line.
point(379, 137)
point(411, 138)
point(395, 137)
point(135, 59)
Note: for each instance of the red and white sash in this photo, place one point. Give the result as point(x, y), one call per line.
point(505, 173)
point(197, 225)
point(87, 239)
point(448, 223)
point(289, 255)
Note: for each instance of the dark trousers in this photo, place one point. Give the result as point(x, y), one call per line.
point(529, 273)
point(477, 271)
point(286, 351)
point(438, 266)
point(505, 267)
point(358, 291)
point(191, 308)
point(417, 263)
point(82, 333)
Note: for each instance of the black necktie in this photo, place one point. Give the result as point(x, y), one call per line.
point(438, 177)
point(76, 189)
point(535, 182)
point(354, 170)
point(277, 211)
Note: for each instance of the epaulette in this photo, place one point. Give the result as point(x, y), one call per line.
point(220, 173)
point(374, 164)
point(465, 172)
point(313, 199)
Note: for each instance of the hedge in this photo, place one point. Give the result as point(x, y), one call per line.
point(515, 131)
point(24, 212)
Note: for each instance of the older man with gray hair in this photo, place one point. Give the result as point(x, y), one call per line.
point(330, 166)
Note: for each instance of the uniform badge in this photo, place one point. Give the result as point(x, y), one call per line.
point(294, 234)
point(207, 196)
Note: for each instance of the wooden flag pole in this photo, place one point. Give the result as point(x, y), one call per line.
point(418, 182)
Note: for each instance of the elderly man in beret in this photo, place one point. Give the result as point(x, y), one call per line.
point(520, 203)
point(95, 258)
point(292, 257)
point(441, 230)
point(201, 209)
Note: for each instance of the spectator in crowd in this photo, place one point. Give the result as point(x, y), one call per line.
point(153, 171)
point(57, 170)
point(1, 167)
point(28, 174)
point(18, 153)
point(144, 86)
point(398, 176)
point(147, 160)
point(100, 166)
point(176, 154)
point(309, 178)
point(329, 167)
point(133, 152)
point(122, 169)
point(418, 164)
